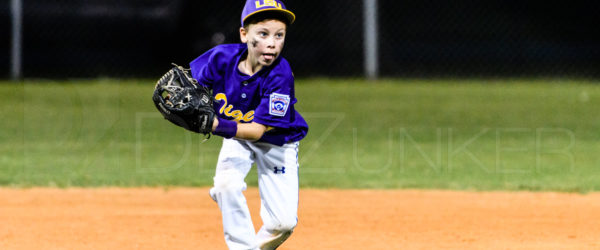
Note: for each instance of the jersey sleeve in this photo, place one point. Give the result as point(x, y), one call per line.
point(204, 68)
point(276, 107)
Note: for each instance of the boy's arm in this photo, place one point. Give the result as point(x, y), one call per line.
point(247, 131)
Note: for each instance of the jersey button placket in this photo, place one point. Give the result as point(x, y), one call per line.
point(244, 83)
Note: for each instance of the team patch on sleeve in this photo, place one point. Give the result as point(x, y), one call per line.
point(279, 104)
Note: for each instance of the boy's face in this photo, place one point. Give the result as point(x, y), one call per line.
point(265, 41)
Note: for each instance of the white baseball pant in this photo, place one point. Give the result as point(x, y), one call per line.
point(277, 168)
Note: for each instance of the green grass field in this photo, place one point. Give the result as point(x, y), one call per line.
point(433, 134)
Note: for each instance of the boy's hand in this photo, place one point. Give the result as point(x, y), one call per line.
point(182, 101)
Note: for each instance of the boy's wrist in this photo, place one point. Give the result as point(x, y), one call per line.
point(225, 128)
point(215, 123)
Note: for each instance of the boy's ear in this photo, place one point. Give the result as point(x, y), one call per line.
point(243, 35)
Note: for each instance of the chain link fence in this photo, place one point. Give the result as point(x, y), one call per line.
point(516, 38)
point(424, 38)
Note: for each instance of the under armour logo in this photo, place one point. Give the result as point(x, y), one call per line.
point(277, 170)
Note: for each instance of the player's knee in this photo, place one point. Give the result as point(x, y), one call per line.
point(229, 181)
point(285, 225)
point(287, 228)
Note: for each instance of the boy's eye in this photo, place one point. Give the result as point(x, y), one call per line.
point(262, 33)
point(279, 35)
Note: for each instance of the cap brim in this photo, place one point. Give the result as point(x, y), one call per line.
point(290, 15)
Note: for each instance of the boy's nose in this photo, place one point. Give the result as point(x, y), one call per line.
point(271, 42)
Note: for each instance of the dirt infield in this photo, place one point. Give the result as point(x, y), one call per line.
point(186, 218)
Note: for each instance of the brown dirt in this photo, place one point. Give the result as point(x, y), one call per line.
point(187, 218)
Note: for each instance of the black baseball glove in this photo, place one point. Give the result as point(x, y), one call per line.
point(182, 101)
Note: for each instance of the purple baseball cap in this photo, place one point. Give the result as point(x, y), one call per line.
point(257, 6)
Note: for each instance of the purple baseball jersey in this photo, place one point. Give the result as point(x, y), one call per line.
point(266, 97)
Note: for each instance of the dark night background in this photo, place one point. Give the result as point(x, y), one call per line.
point(419, 38)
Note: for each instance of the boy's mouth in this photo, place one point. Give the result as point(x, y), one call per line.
point(269, 56)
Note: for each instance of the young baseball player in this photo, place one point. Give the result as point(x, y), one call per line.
point(254, 89)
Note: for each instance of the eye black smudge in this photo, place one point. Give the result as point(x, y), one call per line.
point(254, 43)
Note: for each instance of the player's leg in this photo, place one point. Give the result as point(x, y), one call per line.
point(235, 161)
point(278, 185)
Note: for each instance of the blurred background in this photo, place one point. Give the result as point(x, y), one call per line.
point(376, 38)
point(484, 95)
